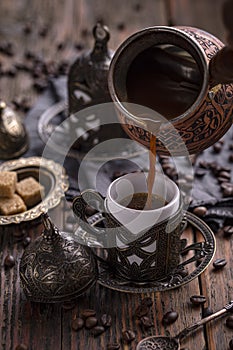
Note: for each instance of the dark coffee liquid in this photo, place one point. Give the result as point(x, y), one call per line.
point(165, 79)
point(151, 174)
point(139, 201)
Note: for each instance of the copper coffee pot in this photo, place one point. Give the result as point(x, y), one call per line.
point(184, 74)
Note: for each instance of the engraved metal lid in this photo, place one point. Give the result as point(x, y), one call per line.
point(55, 268)
point(13, 135)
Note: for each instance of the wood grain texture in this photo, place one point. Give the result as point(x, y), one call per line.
point(48, 327)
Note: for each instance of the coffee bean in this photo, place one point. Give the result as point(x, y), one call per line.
point(225, 174)
point(137, 7)
point(189, 178)
point(231, 344)
point(91, 322)
point(26, 241)
point(128, 336)
point(21, 347)
point(200, 211)
point(68, 306)
point(88, 313)
point(217, 147)
point(228, 230)
point(145, 322)
point(77, 324)
point(198, 299)
point(27, 29)
point(120, 26)
point(228, 192)
point(200, 172)
point(222, 179)
point(207, 311)
point(106, 320)
point(147, 301)
point(229, 322)
point(113, 346)
point(219, 263)
point(9, 261)
point(170, 317)
point(43, 31)
point(204, 165)
point(141, 310)
point(230, 158)
point(97, 330)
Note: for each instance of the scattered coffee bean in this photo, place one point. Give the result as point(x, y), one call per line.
point(137, 7)
point(79, 46)
point(230, 159)
point(203, 164)
point(147, 301)
point(128, 336)
point(219, 263)
point(225, 174)
point(189, 178)
point(207, 311)
point(229, 322)
point(43, 31)
point(21, 347)
point(97, 330)
point(200, 172)
point(113, 346)
point(170, 317)
point(227, 230)
point(217, 147)
point(88, 313)
point(9, 261)
point(27, 29)
point(106, 320)
point(200, 211)
point(222, 180)
point(198, 299)
point(145, 322)
point(77, 324)
point(228, 191)
point(121, 26)
point(141, 310)
point(68, 306)
point(231, 344)
point(91, 322)
point(26, 241)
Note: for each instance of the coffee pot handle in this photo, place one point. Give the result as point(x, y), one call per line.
point(80, 203)
point(221, 66)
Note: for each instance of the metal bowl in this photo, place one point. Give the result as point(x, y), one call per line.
point(49, 174)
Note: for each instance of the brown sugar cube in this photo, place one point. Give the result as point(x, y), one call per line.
point(8, 181)
point(30, 190)
point(11, 206)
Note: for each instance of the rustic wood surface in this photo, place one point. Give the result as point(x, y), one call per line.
point(48, 327)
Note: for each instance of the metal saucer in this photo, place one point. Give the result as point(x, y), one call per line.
point(204, 250)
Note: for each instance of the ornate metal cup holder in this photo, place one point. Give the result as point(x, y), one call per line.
point(203, 248)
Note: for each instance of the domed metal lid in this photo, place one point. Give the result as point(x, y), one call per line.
point(55, 268)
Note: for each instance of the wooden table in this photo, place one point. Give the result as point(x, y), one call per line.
point(48, 327)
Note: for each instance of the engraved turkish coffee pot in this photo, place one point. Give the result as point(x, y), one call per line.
point(183, 73)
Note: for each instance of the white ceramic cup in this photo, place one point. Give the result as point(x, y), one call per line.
point(139, 220)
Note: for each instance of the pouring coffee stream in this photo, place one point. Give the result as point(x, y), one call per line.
point(173, 343)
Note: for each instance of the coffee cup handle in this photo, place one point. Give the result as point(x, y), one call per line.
point(79, 205)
